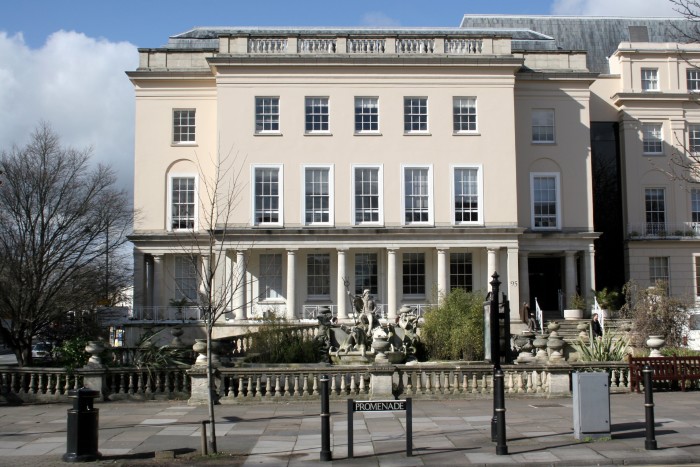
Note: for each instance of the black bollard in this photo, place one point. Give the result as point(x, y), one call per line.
point(83, 427)
point(494, 417)
point(500, 404)
point(650, 442)
point(326, 454)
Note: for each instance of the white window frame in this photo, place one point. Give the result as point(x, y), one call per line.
point(419, 295)
point(650, 79)
point(324, 296)
point(429, 168)
point(459, 116)
point(184, 270)
point(695, 206)
point(280, 177)
point(653, 136)
point(696, 270)
point(408, 122)
point(369, 109)
point(479, 194)
point(692, 79)
point(656, 263)
point(331, 191)
point(469, 257)
point(267, 117)
point(181, 142)
point(658, 223)
point(321, 130)
point(557, 187)
point(169, 217)
point(694, 138)
point(269, 278)
point(380, 194)
point(539, 119)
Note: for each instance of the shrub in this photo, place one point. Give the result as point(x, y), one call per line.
point(679, 352)
point(455, 329)
point(611, 347)
point(654, 312)
point(277, 342)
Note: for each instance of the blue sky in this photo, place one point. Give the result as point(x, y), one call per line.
point(63, 61)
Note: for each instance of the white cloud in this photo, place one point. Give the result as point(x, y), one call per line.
point(633, 8)
point(379, 19)
point(76, 84)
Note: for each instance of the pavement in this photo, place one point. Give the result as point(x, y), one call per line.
point(451, 432)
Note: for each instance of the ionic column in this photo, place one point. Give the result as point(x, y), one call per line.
point(205, 282)
point(524, 277)
point(513, 285)
point(139, 279)
point(589, 273)
point(291, 285)
point(391, 283)
point(441, 274)
point(492, 263)
point(340, 286)
point(228, 284)
point(570, 272)
point(238, 286)
point(158, 275)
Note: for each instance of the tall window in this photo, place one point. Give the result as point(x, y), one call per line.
point(182, 203)
point(270, 278)
point(366, 273)
point(267, 114)
point(658, 269)
point(693, 79)
point(697, 282)
point(415, 114)
point(694, 138)
point(466, 195)
point(695, 205)
point(366, 115)
point(650, 79)
point(267, 194)
point(464, 114)
point(652, 138)
point(417, 192)
point(461, 271)
point(543, 125)
point(185, 278)
point(367, 195)
point(317, 195)
point(317, 115)
point(655, 206)
point(414, 274)
point(318, 275)
point(183, 126)
point(545, 201)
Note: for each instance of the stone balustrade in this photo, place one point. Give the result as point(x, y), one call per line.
point(301, 382)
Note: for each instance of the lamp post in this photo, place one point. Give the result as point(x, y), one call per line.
point(498, 421)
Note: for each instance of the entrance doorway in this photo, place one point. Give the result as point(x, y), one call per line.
point(545, 276)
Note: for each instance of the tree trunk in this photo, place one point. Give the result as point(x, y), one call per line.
point(212, 387)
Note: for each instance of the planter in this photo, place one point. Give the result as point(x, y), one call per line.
point(655, 343)
point(573, 314)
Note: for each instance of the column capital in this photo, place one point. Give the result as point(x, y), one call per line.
point(493, 248)
point(570, 252)
point(523, 254)
point(391, 250)
point(158, 258)
point(442, 249)
point(342, 250)
point(291, 251)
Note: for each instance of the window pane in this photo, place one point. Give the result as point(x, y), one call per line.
point(185, 278)
point(182, 203)
point(658, 269)
point(366, 195)
point(650, 79)
point(543, 126)
point(267, 195)
point(413, 274)
point(415, 114)
point(693, 80)
point(317, 196)
point(267, 117)
point(317, 114)
point(461, 271)
point(544, 193)
point(655, 206)
point(270, 280)
point(366, 114)
point(183, 126)
point(318, 275)
point(466, 195)
point(652, 138)
point(464, 114)
point(366, 273)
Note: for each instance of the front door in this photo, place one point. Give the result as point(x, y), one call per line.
point(545, 282)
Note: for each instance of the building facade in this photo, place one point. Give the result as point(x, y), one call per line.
point(406, 162)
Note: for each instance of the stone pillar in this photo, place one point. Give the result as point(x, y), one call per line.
point(570, 274)
point(340, 286)
point(239, 286)
point(524, 278)
point(148, 293)
point(158, 276)
point(442, 286)
point(391, 283)
point(492, 264)
point(513, 285)
point(589, 274)
point(228, 284)
point(381, 377)
point(291, 284)
point(206, 283)
point(139, 279)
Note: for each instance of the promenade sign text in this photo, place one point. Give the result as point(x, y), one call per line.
point(382, 406)
point(379, 406)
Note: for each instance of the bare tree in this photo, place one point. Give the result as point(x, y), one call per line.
point(59, 218)
point(205, 249)
point(690, 10)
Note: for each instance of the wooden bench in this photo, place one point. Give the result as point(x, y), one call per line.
point(672, 370)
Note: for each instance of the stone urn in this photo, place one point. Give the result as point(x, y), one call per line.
point(553, 326)
point(655, 343)
point(573, 313)
point(94, 348)
point(555, 343)
point(380, 345)
point(200, 346)
point(540, 343)
point(523, 344)
point(177, 332)
point(582, 328)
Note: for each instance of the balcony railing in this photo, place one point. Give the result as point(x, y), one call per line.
point(366, 46)
point(681, 230)
point(267, 46)
point(171, 314)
